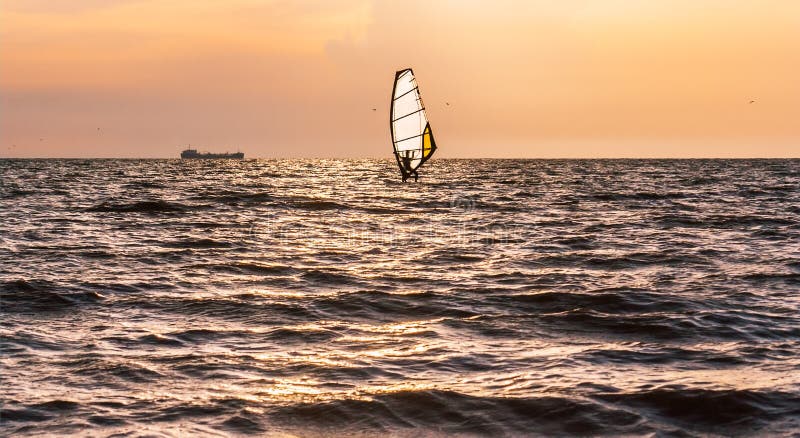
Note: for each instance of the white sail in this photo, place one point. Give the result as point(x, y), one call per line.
point(412, 137)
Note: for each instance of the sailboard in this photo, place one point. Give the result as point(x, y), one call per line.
point(412, 136)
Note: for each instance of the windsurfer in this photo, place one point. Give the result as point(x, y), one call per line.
point(412, 137)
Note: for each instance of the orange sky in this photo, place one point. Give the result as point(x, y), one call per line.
point(281, 78)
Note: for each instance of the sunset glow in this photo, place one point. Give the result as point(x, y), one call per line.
point(141, 78)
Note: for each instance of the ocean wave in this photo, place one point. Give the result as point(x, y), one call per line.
point(590, 323)
point(447, 257)
point(387, 210)
point(147, 207)
point(144, 185)
point(637, 196)
point(23, 415)
point(243, 308)
point(22, 342)
point(449, 412)
point(318, 205)
point(323, 277)
point(662, 355)
point(255, 269)
point(610, 300)
point(13, 193)
point(244, 423)
point(711, 410)
point(234, 197)
point(627, 261)
point(791, 278)
point(382, 306)
point(199, 243)
point(277, 334)
point(108, 370)
point(735, 221)
point(42, 295)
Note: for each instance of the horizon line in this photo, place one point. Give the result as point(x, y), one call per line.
point(390, 158)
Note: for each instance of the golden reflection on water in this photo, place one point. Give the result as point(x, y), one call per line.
point(310, 391)
point(355, 345)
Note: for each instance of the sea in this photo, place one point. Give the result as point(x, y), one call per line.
point(327, 298)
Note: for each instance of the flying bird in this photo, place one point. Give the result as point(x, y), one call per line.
point(374, 109)
point(752, 101)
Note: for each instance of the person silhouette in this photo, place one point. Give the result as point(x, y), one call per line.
point(406, 160)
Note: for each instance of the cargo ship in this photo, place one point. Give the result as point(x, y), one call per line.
point(192, 153)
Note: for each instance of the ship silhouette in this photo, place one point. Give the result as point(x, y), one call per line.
point(192, 153)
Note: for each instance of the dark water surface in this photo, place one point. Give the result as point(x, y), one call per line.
point(317, 297)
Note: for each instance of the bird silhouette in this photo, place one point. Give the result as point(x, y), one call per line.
point(374, 109)
point(752, 101)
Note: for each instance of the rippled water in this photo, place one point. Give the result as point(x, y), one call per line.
point(495, 297)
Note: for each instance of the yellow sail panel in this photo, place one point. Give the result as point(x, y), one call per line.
point(426, 142)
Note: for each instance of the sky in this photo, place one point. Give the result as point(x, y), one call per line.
point(281, 78)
